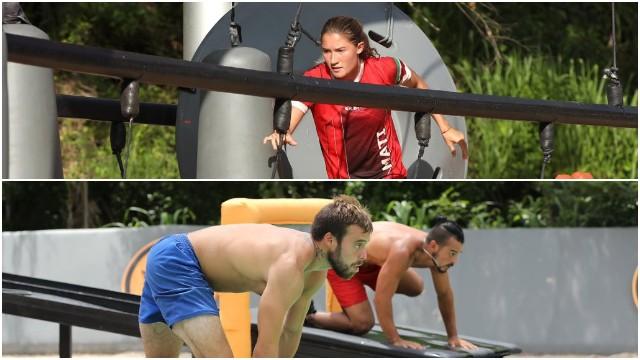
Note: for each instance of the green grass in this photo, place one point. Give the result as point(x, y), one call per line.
point(509, 149)
point(499, 149)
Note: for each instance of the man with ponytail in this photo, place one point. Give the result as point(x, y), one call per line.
point(359, 142)
point(394, 250)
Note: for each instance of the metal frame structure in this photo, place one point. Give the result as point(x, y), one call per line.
point(74, 305)
point(186, 74)
point(101, 109)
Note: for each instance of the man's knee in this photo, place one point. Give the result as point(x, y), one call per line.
point(412, 288)
point(204, 336)
point(415, 290)
point(361, 326)
point(159, 341)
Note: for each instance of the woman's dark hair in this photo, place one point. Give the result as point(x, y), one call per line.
point(335, 217)
point(443, 229)
point(352, 30)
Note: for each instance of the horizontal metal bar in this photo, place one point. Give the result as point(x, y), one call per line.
point(99, 297)
point(40, 304)
point(64, 312)
point(81, 107)
point(180, 73)
point(64, 342)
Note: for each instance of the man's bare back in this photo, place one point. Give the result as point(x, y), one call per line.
point(387, 235)
point(286, 267)
point(237, 258)
point(394, 249)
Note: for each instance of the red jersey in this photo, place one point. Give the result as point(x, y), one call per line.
point(359, 142)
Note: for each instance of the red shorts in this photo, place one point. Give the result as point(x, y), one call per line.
point(351, 292)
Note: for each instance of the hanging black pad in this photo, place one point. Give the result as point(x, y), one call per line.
point(282, 109)
point(546, 138)
point(379, 39)
point(423, 128)
point(614, 94)
point(129, 99)
point(117, 136)
point(285, 171)
point(285, 60)
point(282, 115)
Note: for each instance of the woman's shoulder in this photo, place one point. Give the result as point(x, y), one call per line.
point(382, 60)
point(318, 71)
point(387, 68)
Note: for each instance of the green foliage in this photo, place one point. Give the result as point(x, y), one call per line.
point(150, 28)
point(473, 204)
point(547, 204)
point(160, 212)
point(533, 28)
point(584, 204)
point(539, 62)
point(507, 149)
point(20, 212)
point(481, 214)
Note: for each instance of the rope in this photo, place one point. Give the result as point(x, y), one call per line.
point(297, 17)
point(128, 151)
point(295, 30)
point(235, 30)
point(613, 32)
point(614, 86)
point(544, 163)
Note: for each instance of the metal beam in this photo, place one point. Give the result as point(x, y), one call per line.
point(64, 341)
point(75, 305)
point(180, 73)
point(101, 109)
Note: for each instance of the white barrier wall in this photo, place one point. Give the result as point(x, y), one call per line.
point(546, 290)
point(90, 257)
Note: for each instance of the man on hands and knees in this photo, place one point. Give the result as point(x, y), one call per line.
point(285, 266)
point(392, 253)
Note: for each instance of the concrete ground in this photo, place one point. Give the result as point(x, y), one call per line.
point(135, 354)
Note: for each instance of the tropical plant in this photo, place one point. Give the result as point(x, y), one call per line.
point(160, 213)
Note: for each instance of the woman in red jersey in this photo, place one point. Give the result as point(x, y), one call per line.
point(359, 142)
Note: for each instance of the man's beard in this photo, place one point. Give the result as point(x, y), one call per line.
point(440, 268)
point(341, 268)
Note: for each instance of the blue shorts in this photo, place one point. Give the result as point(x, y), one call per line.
point(175, 288)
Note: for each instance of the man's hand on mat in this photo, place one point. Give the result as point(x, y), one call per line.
point(456, 342)
point(407, 344)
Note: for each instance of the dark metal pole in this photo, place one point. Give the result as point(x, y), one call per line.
point(64, 345)
point(180, 73)
point(109, 110)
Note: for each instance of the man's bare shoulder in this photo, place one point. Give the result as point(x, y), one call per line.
point(396, 231)
point(249, 229)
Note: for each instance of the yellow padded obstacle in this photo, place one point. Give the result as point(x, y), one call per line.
point(234, 308)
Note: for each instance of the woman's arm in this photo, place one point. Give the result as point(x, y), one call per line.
point(450, 134)
point(296, 117)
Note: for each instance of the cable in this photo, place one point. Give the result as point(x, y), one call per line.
point(613, 32)
point(297, 17)
point(614, 86)
point(545, 129)
point(295, 29)
point(422, 126)
point(117, 135)
point(386, 41)
point(235, 30)
point(128, 151)
point(282, 108)
point(310, 37)
point(129, 108)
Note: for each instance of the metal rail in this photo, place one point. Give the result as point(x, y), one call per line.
point(82, 107)
point(180, 73)
point(74, 305)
